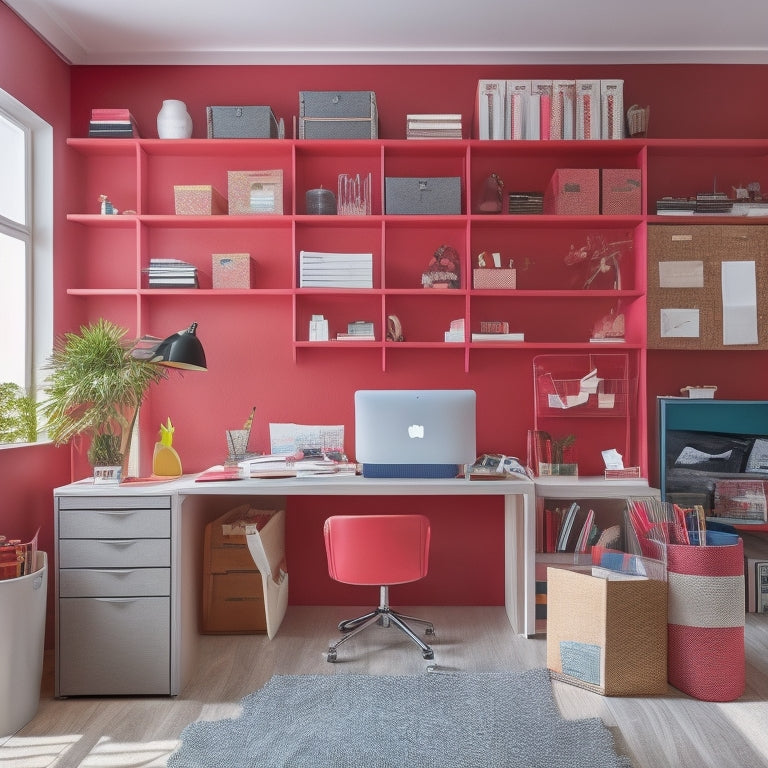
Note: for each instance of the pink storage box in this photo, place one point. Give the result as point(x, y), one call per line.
point(198, 200)
point(573, 192)
point(231, 270)
point(621, 191)
point(494, 278)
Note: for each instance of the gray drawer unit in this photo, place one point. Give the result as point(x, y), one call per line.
point(113, 595)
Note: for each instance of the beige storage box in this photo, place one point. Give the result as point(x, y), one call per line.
point(198, 200)
point(608, 636)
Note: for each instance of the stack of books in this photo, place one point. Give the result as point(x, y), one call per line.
point(335, 270)
point(526, 203)
point(112, 123)
point(360, 330)
point(171, 273)
point(437, 126)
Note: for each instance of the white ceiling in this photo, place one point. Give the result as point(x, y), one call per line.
point(401, 31)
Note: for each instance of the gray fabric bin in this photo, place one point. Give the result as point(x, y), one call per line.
point(242, 123)
point(420, 195)
point(338, 115)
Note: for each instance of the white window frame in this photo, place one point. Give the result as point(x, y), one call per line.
point(38, 235)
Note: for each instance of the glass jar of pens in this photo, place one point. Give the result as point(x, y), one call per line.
point(354, 194)
point(238, 439)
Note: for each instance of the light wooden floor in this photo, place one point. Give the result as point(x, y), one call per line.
point(671, 731)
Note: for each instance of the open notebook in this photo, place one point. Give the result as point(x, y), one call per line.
point(414, 433)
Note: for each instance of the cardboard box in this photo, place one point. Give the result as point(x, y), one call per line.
point(241, 123)
point(621, 191)
point(338, 115)
point(573, 192)
point(234, 597)
point(423, 196)
point(231, 270)
point(608, 636)
point(198, 200)
point(494, 278)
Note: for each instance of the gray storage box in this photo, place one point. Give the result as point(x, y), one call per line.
point(242, 123)
point(419, 195)
point(338, 115)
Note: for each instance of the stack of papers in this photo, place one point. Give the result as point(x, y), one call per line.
point(335, 270)
point(433, 126)
point(286, 466)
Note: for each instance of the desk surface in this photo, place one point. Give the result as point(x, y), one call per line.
point(315, 485)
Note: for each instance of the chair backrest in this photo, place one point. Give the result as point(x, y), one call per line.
point(377, 549)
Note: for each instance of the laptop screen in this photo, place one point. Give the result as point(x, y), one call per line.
point(415, 427)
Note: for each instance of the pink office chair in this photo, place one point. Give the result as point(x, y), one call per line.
point(378, 550)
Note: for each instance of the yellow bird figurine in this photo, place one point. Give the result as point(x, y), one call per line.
point(165, 461)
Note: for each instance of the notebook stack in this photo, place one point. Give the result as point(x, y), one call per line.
point(526, 203)
point(171, 273)
point(112, 123)
point(433, 126)
point(335, 270)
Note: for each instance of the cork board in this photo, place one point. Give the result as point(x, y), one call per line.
point(685, 289)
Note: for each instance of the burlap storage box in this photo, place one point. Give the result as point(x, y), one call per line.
point(198, 200)
point(706, 620)
point(573, 192)
point(494, 278)
point(241, 123)
point(620, 191)
point(231, 270)
point(607, 636)
point(423, 196)
point(338, 115)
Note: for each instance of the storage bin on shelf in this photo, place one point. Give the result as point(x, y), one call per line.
point(582, 385)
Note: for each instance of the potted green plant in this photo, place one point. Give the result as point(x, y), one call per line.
point(95, 388)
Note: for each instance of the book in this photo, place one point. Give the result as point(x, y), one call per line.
point(761, 587)
point(566, 527)
point(498, 337)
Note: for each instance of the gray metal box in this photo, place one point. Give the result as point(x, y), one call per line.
point(338, 115)
point(242, 123)
point(419, 195)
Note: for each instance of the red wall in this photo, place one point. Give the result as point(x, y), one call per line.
point(37, 77)
point(318, 387)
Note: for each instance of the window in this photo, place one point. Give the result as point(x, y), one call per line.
point(26, 247)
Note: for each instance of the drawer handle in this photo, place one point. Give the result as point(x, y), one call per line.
point(116, 571)
point(116, 511)
point(118, 542)
point(119, 600)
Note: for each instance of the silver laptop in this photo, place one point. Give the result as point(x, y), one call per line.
point(414, 432)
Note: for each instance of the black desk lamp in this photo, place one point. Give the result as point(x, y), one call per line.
point(180, 350)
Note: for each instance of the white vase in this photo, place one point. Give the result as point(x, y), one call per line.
point(173, 120)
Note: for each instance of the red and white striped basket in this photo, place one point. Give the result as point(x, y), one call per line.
point(706, 621)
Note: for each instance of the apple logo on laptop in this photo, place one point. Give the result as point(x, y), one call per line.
point(416, 430)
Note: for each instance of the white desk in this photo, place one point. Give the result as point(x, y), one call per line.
point(194, 504)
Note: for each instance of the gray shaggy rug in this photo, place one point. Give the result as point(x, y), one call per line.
point(434, 720)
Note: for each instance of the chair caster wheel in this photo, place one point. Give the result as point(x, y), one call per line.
point(429, 631)
point(331, 655)
point(428, 654)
